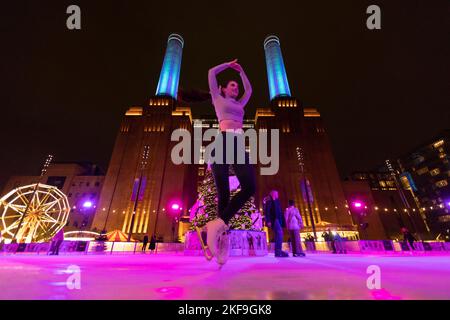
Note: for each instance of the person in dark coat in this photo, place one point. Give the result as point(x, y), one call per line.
point(328, 237)
point(275, 220)
point(56, 242)
point(310, 242)
point(152, 245)
point(144, 243)
point(294, 223)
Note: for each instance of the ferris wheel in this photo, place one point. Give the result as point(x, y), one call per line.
point(33, 213)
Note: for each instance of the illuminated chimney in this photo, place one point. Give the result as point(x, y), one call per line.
point(276, 73)
point(170, 71)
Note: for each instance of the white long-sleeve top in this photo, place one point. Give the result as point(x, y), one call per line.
point(293, 218)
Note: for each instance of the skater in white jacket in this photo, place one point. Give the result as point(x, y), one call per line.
point(294, 223)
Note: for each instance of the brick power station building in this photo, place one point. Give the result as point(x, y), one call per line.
point(142, 183)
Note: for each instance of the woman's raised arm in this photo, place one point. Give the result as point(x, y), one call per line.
point(247, 86)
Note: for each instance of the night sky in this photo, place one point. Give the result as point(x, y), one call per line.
point(64, 92)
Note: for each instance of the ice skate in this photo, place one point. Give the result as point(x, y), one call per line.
point(223, 247)
point(213, 229)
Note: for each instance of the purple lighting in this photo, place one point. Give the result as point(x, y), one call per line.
point(175, 206)
point(87, 204)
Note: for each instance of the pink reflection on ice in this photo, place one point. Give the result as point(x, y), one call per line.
point(170, 292)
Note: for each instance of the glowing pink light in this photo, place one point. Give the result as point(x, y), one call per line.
point(175, 206)
point(87, 204)
point(357, 204)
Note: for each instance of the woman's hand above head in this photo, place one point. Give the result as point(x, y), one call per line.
point(231, 63)
point(236, 66)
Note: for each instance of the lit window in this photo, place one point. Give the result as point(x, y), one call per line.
point(437, 144)
point(442, 183)
point(435, 172)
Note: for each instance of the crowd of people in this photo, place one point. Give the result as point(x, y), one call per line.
point(293, 222)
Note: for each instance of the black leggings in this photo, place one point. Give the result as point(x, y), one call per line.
point(246, 175)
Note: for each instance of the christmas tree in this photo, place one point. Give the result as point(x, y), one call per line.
point(205, 209)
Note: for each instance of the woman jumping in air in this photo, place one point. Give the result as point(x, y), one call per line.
point(230, 113)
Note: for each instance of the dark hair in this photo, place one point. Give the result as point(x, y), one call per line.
point(291, 202)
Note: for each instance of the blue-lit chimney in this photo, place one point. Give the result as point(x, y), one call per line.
point(276, 73)
point(170, 71)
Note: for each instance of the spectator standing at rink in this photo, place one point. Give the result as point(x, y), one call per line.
point(152, 245)
point(294, 223)
point(144, 243)
point(275, 220)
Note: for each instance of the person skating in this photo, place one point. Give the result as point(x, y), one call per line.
point(230, 113)
point(310, 243)
point(338, 243)
point(275, 220)
point(294, 223)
